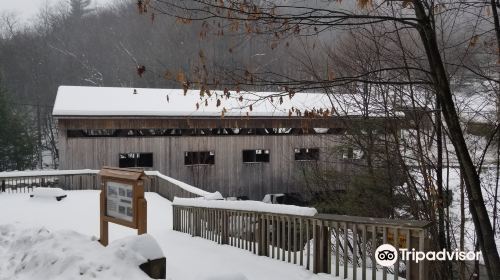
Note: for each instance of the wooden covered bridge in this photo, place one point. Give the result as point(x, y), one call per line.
point(260, 144)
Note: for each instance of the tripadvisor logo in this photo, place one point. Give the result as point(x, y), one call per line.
point(387, 255)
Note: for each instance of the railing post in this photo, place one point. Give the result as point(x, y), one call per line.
point(3, 185)
point(174, 218)
point(190, 220)
point(225, 227)
point(320, 250)
point(157, 185)
point(262, 234)
point(197, 223)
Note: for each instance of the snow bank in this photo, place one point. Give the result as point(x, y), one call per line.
point(228, 276)
point(48, 192)
point(144, 245)
point(37, 253)
point(246, 205)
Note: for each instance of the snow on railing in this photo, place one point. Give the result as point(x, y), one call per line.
point(86, 179)
point(344, 246)
point(247, 205)
point(43, 173)
point(182, 185)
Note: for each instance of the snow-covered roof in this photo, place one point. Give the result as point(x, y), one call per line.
point(113, 101)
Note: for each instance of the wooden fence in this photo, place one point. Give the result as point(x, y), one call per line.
point(340, 245)
point(68, 180)
point(85, 180)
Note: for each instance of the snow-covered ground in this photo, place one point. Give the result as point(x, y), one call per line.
point(187, 257)
point(38, 253)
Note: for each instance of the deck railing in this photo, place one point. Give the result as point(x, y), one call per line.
point(25, 181)
point(340, 245)
point(86, 179)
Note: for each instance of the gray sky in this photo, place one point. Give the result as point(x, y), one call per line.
point(27, 9)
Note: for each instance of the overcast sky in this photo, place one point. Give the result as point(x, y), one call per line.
point(27, 9)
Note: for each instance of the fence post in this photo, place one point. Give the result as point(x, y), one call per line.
point(320, 250)
point(197, 224)
point(262, 234)
point(174, 218)
point(3, 185)
point(157, 185)
point(225, 227)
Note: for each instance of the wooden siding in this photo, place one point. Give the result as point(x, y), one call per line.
point(229, 174)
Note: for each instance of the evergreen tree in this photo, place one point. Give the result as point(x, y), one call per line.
point(17, 143)
point(78, 8)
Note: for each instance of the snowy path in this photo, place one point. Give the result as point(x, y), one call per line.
point(188, 258)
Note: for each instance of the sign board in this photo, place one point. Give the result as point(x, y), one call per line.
point(122, 200)
point(119, 201)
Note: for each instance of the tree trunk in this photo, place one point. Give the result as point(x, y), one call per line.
point(439, 183)
point(472, 182)
point(462, 226)
point(496, 23)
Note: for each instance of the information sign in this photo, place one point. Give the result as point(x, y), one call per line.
point(119, 202)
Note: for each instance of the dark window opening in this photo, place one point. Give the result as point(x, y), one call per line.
point(352, 153)
point(255, 155)
point(92, 133)
point(136, 160)
point(307, 154)
point(205, 157)
point(167, 132)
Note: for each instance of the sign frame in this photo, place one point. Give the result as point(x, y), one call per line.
point(135, 179)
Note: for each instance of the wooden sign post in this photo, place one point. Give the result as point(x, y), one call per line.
point(122, 200)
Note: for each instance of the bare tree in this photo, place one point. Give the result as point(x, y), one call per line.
point(283, 20)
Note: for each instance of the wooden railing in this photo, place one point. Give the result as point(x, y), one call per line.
point(89, 180)
point(340, 245)
point(66, 179)
point(169, 187)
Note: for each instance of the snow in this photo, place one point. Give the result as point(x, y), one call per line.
point(110, 101)
point(268, 198)
point(143, 245)
point(475, 101)
point(178, 183)
point(38, 173)
point(214, 196)
point(48, 192)
point(39, 253)
point(230, 276)
point(33, 173)
point(188, 258)
point(114, 101)
point(246, 205)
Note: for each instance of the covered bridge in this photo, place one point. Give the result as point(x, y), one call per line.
point(240, 144)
